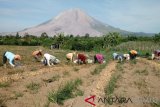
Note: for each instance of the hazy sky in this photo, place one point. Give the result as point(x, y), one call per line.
point(131, 15)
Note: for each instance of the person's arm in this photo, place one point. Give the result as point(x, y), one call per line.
point(40, 53)
point(48, 61)
point(11, 62)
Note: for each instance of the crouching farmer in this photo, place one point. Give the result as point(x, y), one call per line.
point(133, 54)
point(156, 55)
point(49, 60)
point(99, 58)
point(81, 58)
point(37, 54)
point(118, 57)
point(11, 57)
point(70, 56)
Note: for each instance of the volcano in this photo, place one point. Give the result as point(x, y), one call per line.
point(72, 21)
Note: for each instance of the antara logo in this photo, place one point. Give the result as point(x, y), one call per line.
point(91, 100)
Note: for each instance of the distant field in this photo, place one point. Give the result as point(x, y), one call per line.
point(141, 46)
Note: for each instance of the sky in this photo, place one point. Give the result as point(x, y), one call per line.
point(130, 15)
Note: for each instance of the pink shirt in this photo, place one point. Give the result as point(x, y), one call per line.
point(100, 58)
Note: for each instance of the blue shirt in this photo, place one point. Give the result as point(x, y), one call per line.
point(115, 56)
point(10, 57)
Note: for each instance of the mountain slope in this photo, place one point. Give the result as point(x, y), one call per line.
point(73, 21)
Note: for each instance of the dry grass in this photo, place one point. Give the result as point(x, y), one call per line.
point(145, 46)
point(34, 87)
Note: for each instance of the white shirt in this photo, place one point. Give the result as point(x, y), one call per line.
point(49, 57)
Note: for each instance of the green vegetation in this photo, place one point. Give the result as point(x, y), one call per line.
point(4, 84)
point(84, 43)
point(2, 103)
point(155, 104)
point(144, 48)
point(34, 87)
point(98, 69)
point(69, 90)
point(109, 89)
point(112, 84)
point(18, 94)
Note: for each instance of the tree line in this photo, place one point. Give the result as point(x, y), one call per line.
point(84, 43)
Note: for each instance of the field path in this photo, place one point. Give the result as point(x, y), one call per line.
point(96, 88)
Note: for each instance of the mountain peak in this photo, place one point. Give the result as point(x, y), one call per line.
point(74, 12)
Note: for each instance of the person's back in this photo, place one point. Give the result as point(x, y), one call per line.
point(69, 56)
point(120, 57)
point(47, 56)
point(9, 55)
point(100, 58)
point(50, 59)
point(37, 54)
point(115, 56)
point(82, 57)
point(133, 54)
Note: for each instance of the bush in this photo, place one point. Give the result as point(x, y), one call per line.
point(65, 92)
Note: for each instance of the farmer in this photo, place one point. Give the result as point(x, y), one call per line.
point(156, 54)
point(70, 56)
point(49, 59)
point(115, 55)
point(99, 58)
point(11, 57)
point(37, 54)
point(133, 54)
point(82, 58)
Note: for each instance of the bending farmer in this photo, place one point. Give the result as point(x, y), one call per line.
point(50, 59)
point(11, 57)
point(37, 54)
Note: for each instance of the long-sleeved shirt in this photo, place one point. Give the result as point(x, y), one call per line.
point(10, 57)
point(115, 56)
point(70, 56)
point(49, 57)
point(100, 58)
point(82, 57)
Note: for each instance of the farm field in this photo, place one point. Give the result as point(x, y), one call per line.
point(67, 85)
